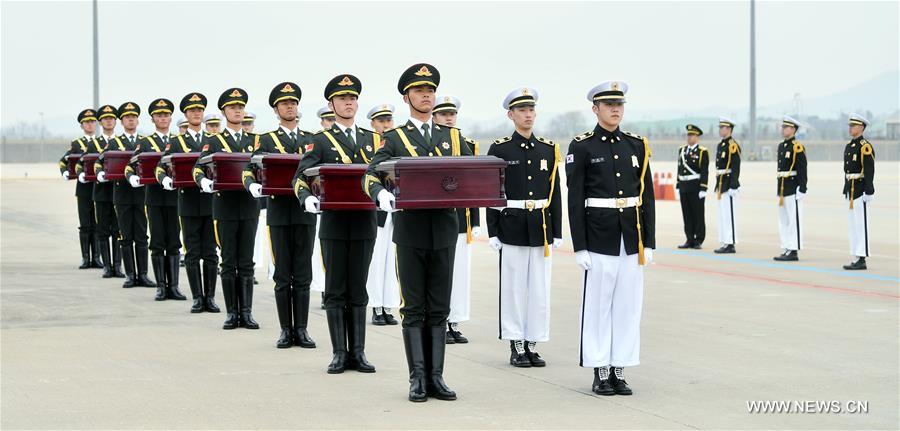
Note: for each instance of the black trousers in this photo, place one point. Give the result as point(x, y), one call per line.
point(107, 223)
point(236, 239)
point(292, 249)
point(86, 221)
point(692, 211)
point(199, 240)
point(426, 278)
point(164, 230)
point(346, 271)
point(132, 225)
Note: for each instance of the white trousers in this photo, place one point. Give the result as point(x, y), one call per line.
point(611, 303)
point(262, 249)
point(382, 285)
point(790, 217)
point(858, 219)
point(318, 265)
point(462, 281)
point(524, 293)
point(728, 219)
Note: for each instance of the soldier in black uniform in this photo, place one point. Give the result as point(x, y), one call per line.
point(235, 215)
point(426, 239)
point(859, 189)
point(291, 230)
point(84, 191)
point(612, 218)
point(791, 165)
point(195, 211)
point(523, 230)
point(693, 178)
point(104, 212)
point(161, 206)
point(347, 237)
point(728, 172)
point(446, 110)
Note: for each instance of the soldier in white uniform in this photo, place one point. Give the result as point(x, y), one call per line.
point(523, 230)
point(384, 293)
point(728, 172)
point(612, 218)
point(445, 112)
point(791, 176)
point(859, 189)
point(212, 123)
point(326, 120)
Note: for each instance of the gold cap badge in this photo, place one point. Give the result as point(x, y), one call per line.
point(423, 71)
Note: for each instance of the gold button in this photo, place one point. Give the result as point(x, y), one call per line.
point(430, 154)
point(529, 162)
point(530, 193)
point(616, 157)
point(621, 210)
point(620, 192)
point(618, 174)
point(529, 177)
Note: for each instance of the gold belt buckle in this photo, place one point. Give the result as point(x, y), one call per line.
point(620, 202)
point(529, 205)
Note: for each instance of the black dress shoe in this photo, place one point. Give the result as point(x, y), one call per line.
point(129, 282)
point(143, 280)
point(231, 321)
point(788, 256)
point(617, 381)
point(285, 340)
point(210, 305)
point(860, 264)
point(302, 339)
point(454, 334)
point(725, 249)
point(248, 322)
point(197, 306)
point(338, 362)
point(686, 245)
point(696, 246)
point(377, 318)
point(389, 319)
point(601, 386)
point(519, 360)
point(533, 356)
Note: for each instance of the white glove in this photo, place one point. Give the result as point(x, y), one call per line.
point(81, 178)
point(677, 194)
point(868, 198)
point(800, 195)
point(386, 201)
point(65, 175)
point(557, 242)
point(648, 256)
point(584, 259)
point(476, 231)
point(167, 183)
point(101, 176)
point(734, 192)
point(312, 205)
point(255, 190)
point(206, 185)
point(495, 243)
point(703, 195)
point(135, 181)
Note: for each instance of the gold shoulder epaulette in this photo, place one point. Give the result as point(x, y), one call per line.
point(733, 147)
point(209, 135)
point(502, 140)
point(545, 140)
point(798, 147)
point(471, 141)
point(702, 148)
point(634, 135)
point(584, 136)
point(866, 149)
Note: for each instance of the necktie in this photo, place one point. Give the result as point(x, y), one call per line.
point(426, 133)
point(293, 137)
point(131, 139)
point(166, 140)
point(197, 137)
point(349, 132)
point(237, 138)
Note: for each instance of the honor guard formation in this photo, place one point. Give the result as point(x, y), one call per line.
point(199, 194)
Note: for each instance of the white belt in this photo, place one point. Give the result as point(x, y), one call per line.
point(688, 177)
point(611, 202)
point(854, 176)
point(785, 174)
point(523, 204)
point(723, 171)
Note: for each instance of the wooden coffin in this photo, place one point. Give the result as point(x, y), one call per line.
point(180, 166)
point(339, 186)
point(87, 163)
point(445, 182)
point(71, 162)
point(275, 172)
point(114, 163)
point(146, 166)
point(225, 169)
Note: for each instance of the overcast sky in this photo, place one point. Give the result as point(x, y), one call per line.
point(674, 55)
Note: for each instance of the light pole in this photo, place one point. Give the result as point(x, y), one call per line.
point(96, 61)
point(753, 76)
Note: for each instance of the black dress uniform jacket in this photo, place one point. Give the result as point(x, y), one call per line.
point(81, 145)
point(728, 156)
point(859, 158)
point(431, 229)
point(604, 164)
point(791, 156)
point(154, 195)
point(693, 159)
point(191, 201)
point(123, 193)
point(474, 213)
point(531, 162)
point(230, 204)
point(281, 210)
point(339, 225)
point(103, 192)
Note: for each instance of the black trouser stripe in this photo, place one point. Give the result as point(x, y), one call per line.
point(731, 205)
point(500, 297)
point(797, 219)
point(866, 228)
point(581, 334)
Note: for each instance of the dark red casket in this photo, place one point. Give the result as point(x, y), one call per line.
point(339, 186)
point(225, 169)
point(71, 161)
point(114, 163)
point(146, 166)
point(180, 166)
point(275, 172)
point(445, 182)
point(87, 162)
